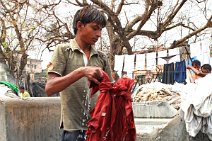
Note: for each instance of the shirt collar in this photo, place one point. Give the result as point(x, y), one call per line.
point(75, 46)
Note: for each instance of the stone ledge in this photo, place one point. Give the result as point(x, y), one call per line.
point(153, 109)
point(31, 119)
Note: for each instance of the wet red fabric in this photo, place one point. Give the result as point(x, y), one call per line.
point(112, 118)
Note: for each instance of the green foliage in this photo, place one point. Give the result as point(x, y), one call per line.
point(5, 45)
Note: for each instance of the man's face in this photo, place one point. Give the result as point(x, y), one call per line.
point(90, 33)
point(21, 90)
point(205, 70)
point(196, 66)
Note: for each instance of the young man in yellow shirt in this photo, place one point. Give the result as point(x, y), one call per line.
point(23, 92)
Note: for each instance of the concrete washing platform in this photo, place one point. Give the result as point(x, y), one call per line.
point(153, 109)
point(37, 119)
point(32, 119)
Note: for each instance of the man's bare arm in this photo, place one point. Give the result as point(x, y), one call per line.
point(55, 83)
point(197, 72)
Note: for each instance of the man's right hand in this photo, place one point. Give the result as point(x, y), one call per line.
point(94, 74)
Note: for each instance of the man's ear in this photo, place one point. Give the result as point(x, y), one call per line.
point(80, 25)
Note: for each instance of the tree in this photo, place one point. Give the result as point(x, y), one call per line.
point(55, 30)
point(22, 24)
point(17, 34)
point(39, 25)
point(163, 15)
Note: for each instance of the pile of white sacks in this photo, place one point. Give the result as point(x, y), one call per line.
point(194, 101)
point(159, 92)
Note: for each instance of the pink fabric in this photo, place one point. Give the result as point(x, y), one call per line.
point(112, 118)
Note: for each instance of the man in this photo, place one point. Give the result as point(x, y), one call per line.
point(196, 64)
point(23, 92)
point(73, 68)
point(205, 69)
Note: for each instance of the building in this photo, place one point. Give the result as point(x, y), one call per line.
point(32, 67)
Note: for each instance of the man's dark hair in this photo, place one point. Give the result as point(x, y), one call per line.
point(89, 14)
point(21, 87)
point(196, 62)
point(206, 67)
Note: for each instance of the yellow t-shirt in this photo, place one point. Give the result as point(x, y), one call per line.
point(24, 94)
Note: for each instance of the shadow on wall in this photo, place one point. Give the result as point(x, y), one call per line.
point(38, 90)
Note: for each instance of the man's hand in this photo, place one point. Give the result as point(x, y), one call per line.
point(189, 67)
point(94, 74)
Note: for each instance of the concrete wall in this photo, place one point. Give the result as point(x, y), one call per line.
point(153, 109)
point(2, 122)
point(32, 119)
point(174, 130)
point(37, 119)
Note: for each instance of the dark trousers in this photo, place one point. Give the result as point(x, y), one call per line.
point(78, 135)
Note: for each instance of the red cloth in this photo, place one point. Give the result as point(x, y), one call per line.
point(112, 118)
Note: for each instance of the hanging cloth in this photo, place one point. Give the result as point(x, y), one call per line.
point(112, 118)
point(168, 74)
point(180, 72)
point(119, 60)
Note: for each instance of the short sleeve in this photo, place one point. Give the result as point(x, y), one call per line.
point(108, 69)
point(58, 61)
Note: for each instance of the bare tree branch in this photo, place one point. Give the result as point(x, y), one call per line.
point(150, 7)
point(120, 7)
point(179, 42)
point(173, 13)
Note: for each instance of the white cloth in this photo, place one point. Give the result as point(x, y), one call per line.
point(162, 54)
point(196, 106)
point(119, 73)
point(151, 61)
point(4, 90)
point(129, 64)
point(140, 62)
point(205, 49)
point(7, 92)
point(119, 60)
point(176, 52)
point(202, 53)
point(195, 51)
point(130, 74)
point(206, 58)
